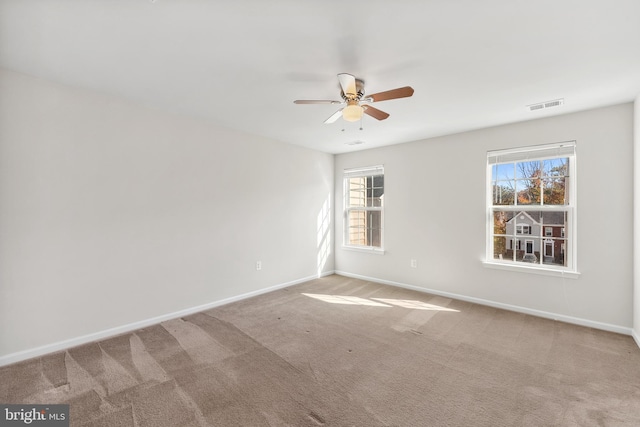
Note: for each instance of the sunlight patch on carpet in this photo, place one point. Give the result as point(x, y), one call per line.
point(344, 299)
point(417, 305)
point(379, 302)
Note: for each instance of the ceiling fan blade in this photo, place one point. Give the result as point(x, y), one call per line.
point(401, 92)
point(348, 84)
point(374, 112)
point(335, 116)
point(315, 101)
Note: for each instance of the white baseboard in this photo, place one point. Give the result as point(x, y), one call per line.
point(539, 313)
point(73, 342)
point(327, 273)
point(66, 344)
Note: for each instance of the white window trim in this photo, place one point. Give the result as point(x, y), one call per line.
point(357, 172)
point(533, 269)
point(365, 249)
point(540, 152)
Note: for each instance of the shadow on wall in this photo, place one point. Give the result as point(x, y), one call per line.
point(324, 236)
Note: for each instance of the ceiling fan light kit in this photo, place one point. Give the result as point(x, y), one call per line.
point(352, 94)
point(352, 112)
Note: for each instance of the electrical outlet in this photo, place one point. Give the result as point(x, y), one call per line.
point(258, 265)
point(414, 263)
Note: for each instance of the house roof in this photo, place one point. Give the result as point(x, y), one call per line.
point(540, 217)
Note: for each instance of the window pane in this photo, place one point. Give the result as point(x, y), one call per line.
point(528, 169)
point(528, 191)
point(503, 193)
point(365, 228)
point(525, 223)
point(500, 249)
point(527, 249)
point(375, 229)
point(554, 193)
point(357, 236)
point(502, 172)
point(554, 252)
point(378, 181)
point(357, 191)
point(557, 221)
point(357, 227)
point(500, 221)
point(556, 167)
point(375, 190)
point(528, 235)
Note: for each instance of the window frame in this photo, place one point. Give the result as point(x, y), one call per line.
point(565, 149)
point(369, 171)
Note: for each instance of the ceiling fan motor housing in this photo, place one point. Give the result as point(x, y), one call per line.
point(356, 96)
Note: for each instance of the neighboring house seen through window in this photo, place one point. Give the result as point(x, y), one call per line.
point(531, 207)
point(364, 203)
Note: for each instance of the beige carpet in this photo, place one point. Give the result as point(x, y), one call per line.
point(342, 352)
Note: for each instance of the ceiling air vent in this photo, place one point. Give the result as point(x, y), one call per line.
point(546, 104)
point(354, 142)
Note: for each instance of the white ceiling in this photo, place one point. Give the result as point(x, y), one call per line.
point(241, 63)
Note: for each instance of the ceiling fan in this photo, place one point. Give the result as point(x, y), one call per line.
point(352, 93)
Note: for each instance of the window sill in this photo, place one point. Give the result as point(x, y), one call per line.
point(369, 250)
point(532, 270)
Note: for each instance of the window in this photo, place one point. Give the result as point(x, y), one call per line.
point(531, 192)
point(364, 203)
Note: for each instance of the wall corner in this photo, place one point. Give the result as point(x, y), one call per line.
point(636, 220)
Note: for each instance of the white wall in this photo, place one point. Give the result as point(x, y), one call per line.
point(112, 213)
point(636, 218)
point(435, 213)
